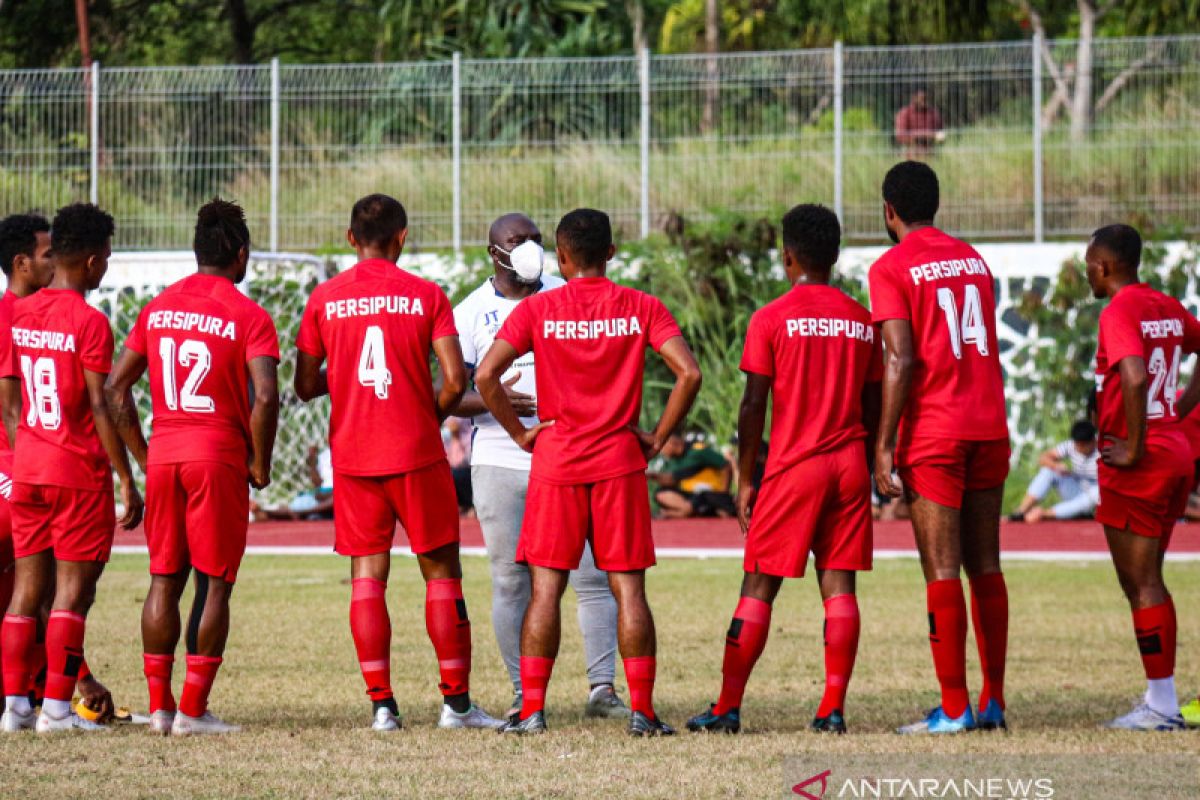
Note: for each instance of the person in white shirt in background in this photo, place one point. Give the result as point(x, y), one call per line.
point(500, 469)
point(1070, 469)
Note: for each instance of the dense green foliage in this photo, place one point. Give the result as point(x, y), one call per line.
point(36, 33)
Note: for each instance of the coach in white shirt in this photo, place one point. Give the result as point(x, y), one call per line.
point(500, 469)
point(1070, 469)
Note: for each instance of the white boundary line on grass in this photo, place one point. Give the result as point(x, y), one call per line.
point(685, 552)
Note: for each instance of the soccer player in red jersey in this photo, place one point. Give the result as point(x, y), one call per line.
point(209, 350)
point(816, 490)
point(62, 499)
point(376, 325)
point(588, 477)
point(1145, 467)
point(943, 427)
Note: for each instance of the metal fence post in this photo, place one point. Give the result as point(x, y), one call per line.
point(644, 138)
point(838, 80)
point(94, 137)
point(1039, 210)
point(274, 155)
point(456, 148)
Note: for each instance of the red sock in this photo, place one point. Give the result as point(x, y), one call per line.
point(639, 674)
point(948, 641)
point(197, 683)
point(37, 670)
point(18, 641)
point(1155, 630)
point(157, 669)
point(842, 625)
point(744, 643)
point(64, 653)
point(371, 628)
point(450, 631)
point(989, 613)
point(535, 674)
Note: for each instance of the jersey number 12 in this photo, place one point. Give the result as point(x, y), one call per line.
point(969, 329)
point(194, 354)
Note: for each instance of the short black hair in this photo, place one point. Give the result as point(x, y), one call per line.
point(812, 234)
point(1123, 241)
point(18, 237)
point(911, 188)
point(587, 234)
point(221, 233)
point(1083, 431)
point(80, 228)
point(377, 218)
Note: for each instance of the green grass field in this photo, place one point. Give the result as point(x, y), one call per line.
point(291, 678)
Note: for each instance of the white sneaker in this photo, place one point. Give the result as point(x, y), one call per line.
point(1145, 718)
point(385, 720)
point(474, 717)
point(15, 721)
point(203, 725)
point(161, 722)
point(72, 721)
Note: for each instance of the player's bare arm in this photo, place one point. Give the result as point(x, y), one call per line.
point(499, 358)
point(1190, 398)
point(1127, 452)
point(472, 405)
point(310, 381)
point(118, 390)
point(448, 352)
point(107, 431)
point(1050, 460)
point(264, 418)
point(872, 408)
point(752, 421)
point(679, 359)
point(10, 407)
point(897, 379)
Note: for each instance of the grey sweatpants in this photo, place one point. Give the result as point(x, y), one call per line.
point(500, 504)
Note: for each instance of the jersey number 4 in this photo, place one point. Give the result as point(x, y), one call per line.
point(41, 384)
point(1164, 382)
point(968, 329)
point(194, 354)
point(372, 363)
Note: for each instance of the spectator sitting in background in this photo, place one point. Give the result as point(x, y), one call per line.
point(918, 127)
point(316, 503)
point(456, 438)
point(1069, 468)
point(694, 480)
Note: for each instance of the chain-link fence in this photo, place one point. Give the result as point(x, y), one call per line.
point(1028, 144)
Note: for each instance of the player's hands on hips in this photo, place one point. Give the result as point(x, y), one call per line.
point(745, 499)
point(527, 438)
point(524, 404)
point(96, 697)
point(647, 441)
point(260, 476)
point(134, 506)
point(884, 482)
point(1116, 453)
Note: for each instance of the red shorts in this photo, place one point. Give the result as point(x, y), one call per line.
point(942, 469)
point(1148, 499)
point(365, 510)
point(820, 505)
point(613, 514)
point(196, 516)
point(78, 524)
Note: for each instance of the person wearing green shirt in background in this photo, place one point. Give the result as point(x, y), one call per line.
point(693, 480)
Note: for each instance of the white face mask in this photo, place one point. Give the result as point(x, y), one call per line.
point(526, 260)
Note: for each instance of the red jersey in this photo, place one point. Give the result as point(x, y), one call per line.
point(7, 366)
point(376, 324)
point(198, 335)
point(944, 289)
point(820, 348)
point(1143, 322)
point(56, 336)
point(589, 341)
point(1189, 426)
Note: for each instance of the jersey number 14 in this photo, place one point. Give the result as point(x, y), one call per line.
point(969, 328)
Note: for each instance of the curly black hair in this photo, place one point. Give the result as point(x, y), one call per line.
point(912, 189)
point(1123, 241)
point(18, 237)
point(587, 235)
point(812, 234)
point(377, 218)
point(80, 228)
point(221, 233)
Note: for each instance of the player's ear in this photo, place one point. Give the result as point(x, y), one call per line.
point(612, 251)
point(350, 238)
point(402, 237)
